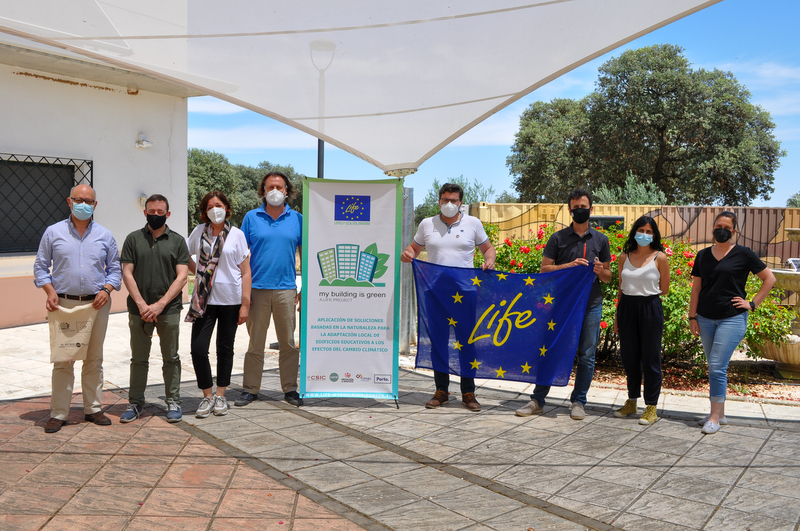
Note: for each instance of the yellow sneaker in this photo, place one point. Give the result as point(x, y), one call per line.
point(649, 416)
point(629, 408)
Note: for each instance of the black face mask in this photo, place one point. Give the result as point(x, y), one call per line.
point(155, 221)
point(580, 215)
point(721, 234)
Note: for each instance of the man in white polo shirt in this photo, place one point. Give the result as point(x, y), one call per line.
point(451, 238)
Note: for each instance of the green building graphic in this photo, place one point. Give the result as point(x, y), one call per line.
point(347, 260)
point(327, 263)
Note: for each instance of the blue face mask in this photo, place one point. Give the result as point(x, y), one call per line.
point(643, 239)
point(82, 211)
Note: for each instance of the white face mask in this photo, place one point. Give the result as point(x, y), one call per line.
point(216, 214)
point(275, 197)
point(449, 210)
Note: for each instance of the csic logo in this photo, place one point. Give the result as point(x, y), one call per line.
point(334, 377)
point(383, 378)
point(316, 378)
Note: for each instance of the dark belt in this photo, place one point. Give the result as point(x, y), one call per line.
point(77, 297)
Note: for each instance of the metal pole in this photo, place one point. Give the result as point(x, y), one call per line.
point(321, 127)
point(320, 158)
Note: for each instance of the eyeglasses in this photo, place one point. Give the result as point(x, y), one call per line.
point(79, 201)
point(451, 201)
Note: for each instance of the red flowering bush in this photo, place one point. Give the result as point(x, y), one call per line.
point(768, 322)
point(517, 255)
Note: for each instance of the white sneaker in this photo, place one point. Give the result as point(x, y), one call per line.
point(578, 413)
point(531, 408)
point(710, 427)
point(205, 408)
point(722, 421)
point(220, 406)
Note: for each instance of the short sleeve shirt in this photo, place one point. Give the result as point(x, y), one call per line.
point(226, 286)
point(154, 262)
point(451, 245)
point(273, 244)
point(722, 280)
point(565, 246)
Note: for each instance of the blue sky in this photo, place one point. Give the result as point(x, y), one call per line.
point(756, 40)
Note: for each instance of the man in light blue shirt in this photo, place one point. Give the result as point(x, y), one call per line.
point(274, 233)
point(85, 269)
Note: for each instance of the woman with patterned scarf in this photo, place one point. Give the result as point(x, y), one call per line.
point(221, 293)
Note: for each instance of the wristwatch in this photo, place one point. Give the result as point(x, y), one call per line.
point(693, 318)
point(106, 290)
point(752, 306)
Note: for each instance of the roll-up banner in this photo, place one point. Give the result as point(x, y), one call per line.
point(351, 288)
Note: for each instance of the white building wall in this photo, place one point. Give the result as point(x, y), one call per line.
point(47, 115)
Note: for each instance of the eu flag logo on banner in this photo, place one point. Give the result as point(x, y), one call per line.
point(495, 325)
point(351, 208)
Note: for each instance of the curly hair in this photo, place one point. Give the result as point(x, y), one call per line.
point(288, 183)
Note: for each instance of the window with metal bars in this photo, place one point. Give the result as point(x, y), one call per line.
point(33, 195)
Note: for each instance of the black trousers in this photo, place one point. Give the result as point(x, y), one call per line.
point(202, 328)
point(641, 324)
point(442, 381)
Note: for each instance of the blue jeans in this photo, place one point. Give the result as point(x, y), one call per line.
point(587, 345)
point(720, 337)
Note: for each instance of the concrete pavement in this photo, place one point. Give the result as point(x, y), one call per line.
point(364, 463)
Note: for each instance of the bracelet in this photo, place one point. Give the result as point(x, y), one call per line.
point(106, 290)
point(693, 318)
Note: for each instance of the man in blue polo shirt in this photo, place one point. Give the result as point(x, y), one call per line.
point(274, 233)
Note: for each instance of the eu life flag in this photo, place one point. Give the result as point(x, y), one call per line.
point(495, 325)
point(351, 208)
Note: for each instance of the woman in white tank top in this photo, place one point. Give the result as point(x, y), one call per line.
point(643, 279)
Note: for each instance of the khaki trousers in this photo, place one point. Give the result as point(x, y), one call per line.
point(280, 305)
point(63, 377)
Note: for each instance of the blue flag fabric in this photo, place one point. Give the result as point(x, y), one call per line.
point(496, 325)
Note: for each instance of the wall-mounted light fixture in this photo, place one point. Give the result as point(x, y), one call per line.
point(143, 142)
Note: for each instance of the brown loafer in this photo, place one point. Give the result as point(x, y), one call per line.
point(53, 425)
point(468, 399)
point(98, 418)
point(440, 398)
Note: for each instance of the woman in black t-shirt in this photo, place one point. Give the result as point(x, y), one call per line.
point(718, 308)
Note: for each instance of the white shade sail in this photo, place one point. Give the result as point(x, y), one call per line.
point(392, 82)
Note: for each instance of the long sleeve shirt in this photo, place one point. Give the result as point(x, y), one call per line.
point(80, 266)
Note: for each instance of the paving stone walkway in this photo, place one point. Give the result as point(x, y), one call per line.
point(146, 475)
point(451, 469)
point(344, 463)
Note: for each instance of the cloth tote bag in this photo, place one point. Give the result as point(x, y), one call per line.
point(70, 331)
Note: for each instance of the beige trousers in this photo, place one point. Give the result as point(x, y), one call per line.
point(91, 373)
point(280, 305)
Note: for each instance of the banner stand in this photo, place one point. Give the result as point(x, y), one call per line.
point(350, 310)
